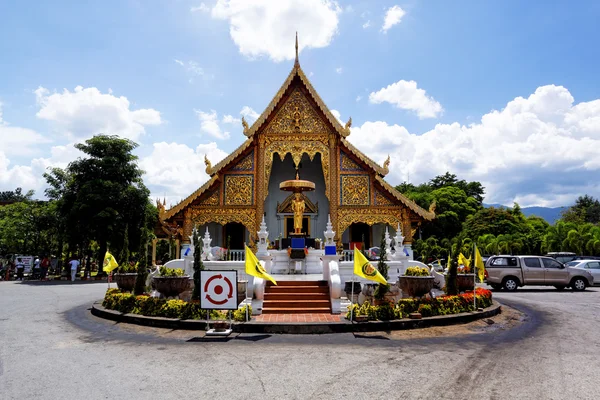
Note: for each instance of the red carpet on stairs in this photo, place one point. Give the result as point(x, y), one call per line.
point(297, 297)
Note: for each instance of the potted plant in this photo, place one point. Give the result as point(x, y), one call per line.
point(416, 281)
point(126, 276)
point(171, 282)
point(465, 278)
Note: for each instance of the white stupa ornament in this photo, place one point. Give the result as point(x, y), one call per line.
point(399, 240)
point(263, 239)
point(329, 233)
point(388, 240)
point(206, 254)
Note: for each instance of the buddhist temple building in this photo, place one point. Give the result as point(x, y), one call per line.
point(296, 133)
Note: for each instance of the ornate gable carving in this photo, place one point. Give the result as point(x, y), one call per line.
point(355, 190)
point(382, 200)
point(348, 164)
point(239, 190)
point(245, 164)
point(297, 116)
point(286, 206)
point(211, 200)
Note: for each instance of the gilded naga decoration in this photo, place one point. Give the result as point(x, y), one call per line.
point(386, 166)
point(246, 127)
point(347, 128)
point(208, 169)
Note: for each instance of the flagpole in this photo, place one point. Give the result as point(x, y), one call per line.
point(474, 276)
point(352, 302)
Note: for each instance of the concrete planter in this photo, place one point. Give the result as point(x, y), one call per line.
point(415, 286)
point(465, 282)
point(125, 282)
point(241, 290)
point(171, 286)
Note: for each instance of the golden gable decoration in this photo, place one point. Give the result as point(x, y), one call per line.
point(239, 190)
point(382, 200)
point(211, 200)
point(245, 164)
point(355, 190)
point(348, 164)
point(297, 116)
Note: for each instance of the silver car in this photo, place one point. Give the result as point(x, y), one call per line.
point(592, 266)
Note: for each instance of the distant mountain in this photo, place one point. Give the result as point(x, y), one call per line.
point(550, 214)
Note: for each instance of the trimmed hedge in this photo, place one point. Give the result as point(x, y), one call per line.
point(128, 303)
point(443, 305)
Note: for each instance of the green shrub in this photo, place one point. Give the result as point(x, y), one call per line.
point(409, 305)
point(425, 310)
point(170, 272)
point(417, 271)
point(240, 314)
point(385, 312)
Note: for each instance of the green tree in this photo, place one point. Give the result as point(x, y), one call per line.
point(585, 209)
point(101, 194)
point(16, 196)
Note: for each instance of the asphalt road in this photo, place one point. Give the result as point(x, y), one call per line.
point(53, 348)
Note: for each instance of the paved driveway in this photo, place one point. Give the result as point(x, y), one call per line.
point(52, 348)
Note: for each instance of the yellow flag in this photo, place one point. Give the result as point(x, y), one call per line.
point(464, 260)
point(109, 263)
point(479, 265)
point(449, 261)
point(254, 268)
point(364, 268)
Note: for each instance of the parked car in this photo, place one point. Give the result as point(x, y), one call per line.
point(578, 258)
point(562, 256)
point(510, 272)
point(373, 253)
point(439, 265)
point(592, 265)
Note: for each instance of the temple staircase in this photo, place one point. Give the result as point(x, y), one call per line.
point(297, 297)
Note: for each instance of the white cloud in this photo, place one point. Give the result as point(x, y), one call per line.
point(358, 98)
point(541, 150)
point(193, 70)
point(31, 176)
point(405, 95)
point(393, 16)
point(366, 24)
point(209, 124)
point(230, 119)
point(337, 116)
point(202, 7)
point(339, 70)
point(249, 114)
point(267, 28)
point(181, 172)
point(86, 112)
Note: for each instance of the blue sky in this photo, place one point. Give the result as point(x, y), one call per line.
point(501, 92)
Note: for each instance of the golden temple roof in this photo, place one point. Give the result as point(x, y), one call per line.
point(428, 215)
point(343, 131)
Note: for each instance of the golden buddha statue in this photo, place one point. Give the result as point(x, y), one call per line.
point(298, 208)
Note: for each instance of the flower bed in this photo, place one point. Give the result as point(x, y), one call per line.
point(443, 305)
point(148, 306)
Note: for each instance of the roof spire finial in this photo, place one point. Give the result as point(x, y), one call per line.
point(296, 62)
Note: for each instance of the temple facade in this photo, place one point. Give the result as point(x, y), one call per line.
point(295, 133)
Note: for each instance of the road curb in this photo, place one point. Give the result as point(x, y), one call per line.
point(300, 328)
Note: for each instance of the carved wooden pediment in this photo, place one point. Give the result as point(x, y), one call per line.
point(297, 115)
point(286, 206)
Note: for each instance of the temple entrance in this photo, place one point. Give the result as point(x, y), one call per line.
point(360, 233)
point(233, 236)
